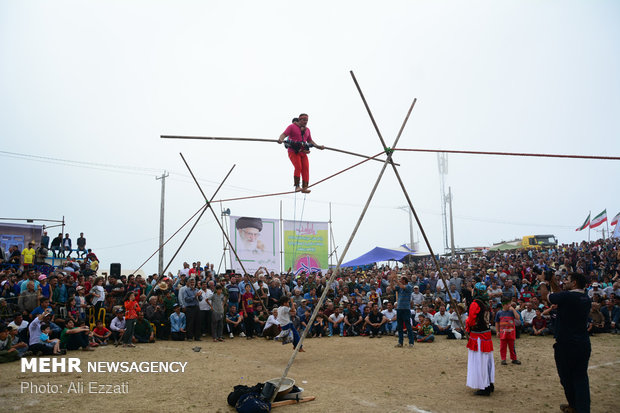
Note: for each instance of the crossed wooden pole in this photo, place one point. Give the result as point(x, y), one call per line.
point(389, 152)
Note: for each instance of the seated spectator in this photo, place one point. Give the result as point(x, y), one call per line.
point(56, 245)
point(441, 321)
point(177, 324)
point(596, 322)
point(390, 315)
point(272, 327)
point(234, 322)
point(75, 336)
point(528, 315)
point(611, 312)
point(455, 294)
point(7, 352)
point(375, 322)
point(336, 322)
point(20, 326)
point(28, 300)
point(143, 330)
point(101, 334)
point(17, 343)
point(425, 332)
point(117, 326)
point(318, 326)
point(50, 344)
point(81, 246)
point(539, 324)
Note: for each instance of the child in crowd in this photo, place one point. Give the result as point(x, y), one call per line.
point(101, 334)
point(80, 302)
point(53, 344)
point(217, 316)
point(425, 332)
point(505, 325)
point(247, 302)
point(72, 310)
point(284, 319)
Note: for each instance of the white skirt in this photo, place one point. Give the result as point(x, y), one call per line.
point(480, 369)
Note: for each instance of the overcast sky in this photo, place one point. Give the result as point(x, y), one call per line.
point(97, 82)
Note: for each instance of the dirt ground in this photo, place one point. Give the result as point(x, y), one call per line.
point(345, 375)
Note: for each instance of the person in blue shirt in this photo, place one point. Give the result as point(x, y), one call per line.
point(403, 308)
point(177, 324)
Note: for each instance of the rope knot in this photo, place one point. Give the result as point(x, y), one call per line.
point(388, 151)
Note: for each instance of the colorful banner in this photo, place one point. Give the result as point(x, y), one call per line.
point(257, 242)
point(306, 246)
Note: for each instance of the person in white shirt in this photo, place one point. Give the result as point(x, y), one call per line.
point(390, 314)
point(336, 322)
point(204, 306)
point(272, 326)
point(117, 326)
point(417, 298)
point(528, 315)
point(441, 321)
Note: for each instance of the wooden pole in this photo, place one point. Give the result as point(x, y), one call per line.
point(222, 229)
point(224, 138)
point(344, 253)
point(402, 185)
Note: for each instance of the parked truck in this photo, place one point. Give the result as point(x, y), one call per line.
point(539, 241)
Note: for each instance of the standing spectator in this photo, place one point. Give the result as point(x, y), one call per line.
point(205, 307)
point(247, 301)
point(45, 240)
point(131, 314)
point(572, 343)
point(98, 293)
point(480, 364)
point(66, 246)
point(57, 246)
point(177, 324)
point(217, 316)
point(403, 309)
point(191, 297)
point(28, 257)
point(81, 246)
point(505, 325)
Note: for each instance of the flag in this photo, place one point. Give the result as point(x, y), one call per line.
point(585, 224)
point(615, 220)
point(599, 219)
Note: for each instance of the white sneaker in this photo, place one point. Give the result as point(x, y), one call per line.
point(232, 335)
point(242, 334)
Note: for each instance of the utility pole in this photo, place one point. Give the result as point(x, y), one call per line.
point(442, 164)
point(406, 208)
point(163, 177)
point(451, 222)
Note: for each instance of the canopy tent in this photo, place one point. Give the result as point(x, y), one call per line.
point(378, 254)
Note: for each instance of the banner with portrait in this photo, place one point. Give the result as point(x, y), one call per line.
point(306, 246)
point(257, 242)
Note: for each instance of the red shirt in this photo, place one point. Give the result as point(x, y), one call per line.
point(131, 309)
point(248, 302)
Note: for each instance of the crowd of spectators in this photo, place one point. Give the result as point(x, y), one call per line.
point(83, 309)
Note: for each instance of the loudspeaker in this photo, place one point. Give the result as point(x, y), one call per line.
point(115, 270)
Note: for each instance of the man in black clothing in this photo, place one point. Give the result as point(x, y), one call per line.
point(375, 321)
point(572, 342)
point(81, 246)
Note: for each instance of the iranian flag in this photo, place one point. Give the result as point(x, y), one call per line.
point(615, 220)
point(599, 219)
point(585, 224)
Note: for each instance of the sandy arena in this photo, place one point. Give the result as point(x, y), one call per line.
point(345, 375)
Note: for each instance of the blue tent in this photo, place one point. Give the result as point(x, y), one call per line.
point(378, 254)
